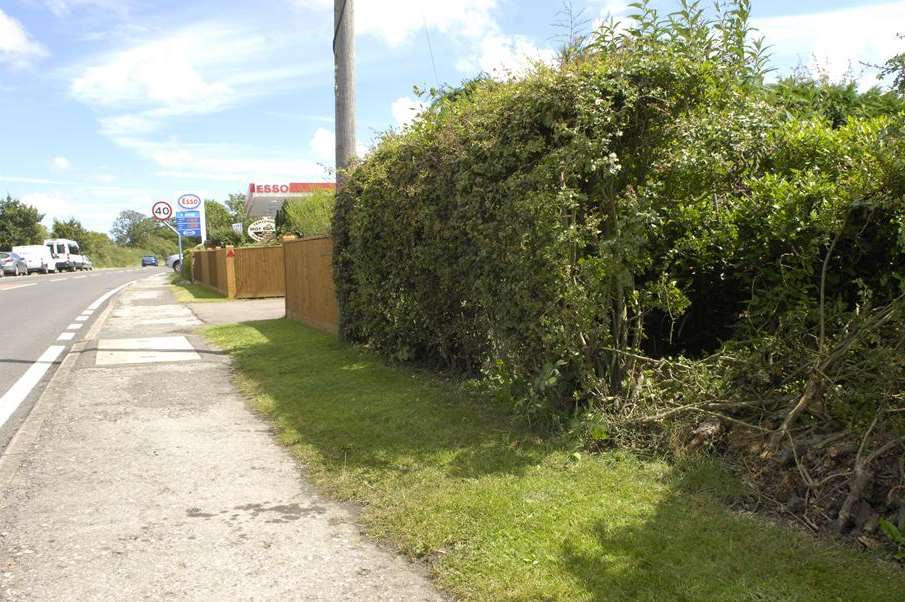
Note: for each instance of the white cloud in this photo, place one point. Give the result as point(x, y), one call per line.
point(405, 110)
point(471, 22)
point(323, 145)
point(61, 163)
point(163, 72)
point(835, 41)
point(17, 48)
point(397, 21)
point(501, 55)
point(62, 8)
point(94, 207)
point(52, 204)
point(25, 180)
point(195, 71)
point(222, 162)
point(614, 8)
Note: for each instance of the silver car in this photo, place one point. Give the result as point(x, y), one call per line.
point(12, 264)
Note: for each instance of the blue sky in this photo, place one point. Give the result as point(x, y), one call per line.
point(108, 105)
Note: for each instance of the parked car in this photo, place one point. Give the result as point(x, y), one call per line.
point(175, 262)
point(86, 263)
point(148, 260)
point(12, 264)
point(69, 255)
point(38, 258)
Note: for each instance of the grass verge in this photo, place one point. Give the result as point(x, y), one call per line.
point(500, 514)
point(187, 292)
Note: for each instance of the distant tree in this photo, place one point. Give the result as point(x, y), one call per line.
point(236, 205)
point(71, 229)
point(219, 224)
point(20, 224)
point(133, 228)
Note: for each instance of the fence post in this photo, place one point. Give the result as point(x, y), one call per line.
point(230, 272)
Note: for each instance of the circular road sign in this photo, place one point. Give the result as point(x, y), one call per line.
point(189, 201)
point(162, 211)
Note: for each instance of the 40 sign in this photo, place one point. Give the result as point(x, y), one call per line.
point(161, 211)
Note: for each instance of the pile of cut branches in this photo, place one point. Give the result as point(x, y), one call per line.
point(820, 432)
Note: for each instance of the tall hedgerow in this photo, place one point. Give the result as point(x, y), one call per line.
point(646, 231)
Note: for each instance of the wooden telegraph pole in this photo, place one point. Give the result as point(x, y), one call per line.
point(344, 65)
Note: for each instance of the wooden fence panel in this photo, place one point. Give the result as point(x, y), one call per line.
point(310, 292)
point(260, 272)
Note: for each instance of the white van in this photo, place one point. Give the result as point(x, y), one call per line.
point(38, 258)
point(68, 254)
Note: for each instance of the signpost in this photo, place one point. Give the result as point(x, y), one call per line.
point(190, 218)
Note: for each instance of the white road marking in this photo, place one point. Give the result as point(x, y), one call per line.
point(100, 300)
point(78, 277)
point(13, 398)
point(10, 288)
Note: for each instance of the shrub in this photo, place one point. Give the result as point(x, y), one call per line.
point(569, 234)
point(307, 216)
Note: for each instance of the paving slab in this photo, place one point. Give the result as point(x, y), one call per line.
point(240, 310)
point(154, 481)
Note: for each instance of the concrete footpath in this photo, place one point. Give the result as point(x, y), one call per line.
point(142, 475)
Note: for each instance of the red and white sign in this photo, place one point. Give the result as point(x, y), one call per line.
point(292, 187)
point(161, 211)
point(189, 202)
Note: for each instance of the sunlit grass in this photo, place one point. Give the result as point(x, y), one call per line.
point(501, 514)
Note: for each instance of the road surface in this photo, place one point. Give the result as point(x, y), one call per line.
point(38, 318)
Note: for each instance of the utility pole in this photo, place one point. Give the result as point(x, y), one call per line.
point(344, 66)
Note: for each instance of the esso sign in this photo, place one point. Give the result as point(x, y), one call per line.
point(161, 211)
point(189, 201)
point(272, 188)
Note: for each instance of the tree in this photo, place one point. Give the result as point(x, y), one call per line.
point(20, 224)
point(71, 229)
point(219, 223)
point(236, 205)
point(132, 228)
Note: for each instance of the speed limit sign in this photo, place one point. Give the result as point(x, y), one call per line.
point(162, 211)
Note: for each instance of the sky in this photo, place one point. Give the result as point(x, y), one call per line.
point(108, 105)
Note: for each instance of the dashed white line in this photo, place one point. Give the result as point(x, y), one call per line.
point(13, 398)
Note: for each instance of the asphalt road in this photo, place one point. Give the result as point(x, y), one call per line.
point(34, 312)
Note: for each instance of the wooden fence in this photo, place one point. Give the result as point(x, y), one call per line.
point(259, 272)
point(310, 293)
point(301, 270)
point(214, 269)
point(245, 273)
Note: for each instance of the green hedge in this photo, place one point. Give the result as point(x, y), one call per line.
point(650, 195)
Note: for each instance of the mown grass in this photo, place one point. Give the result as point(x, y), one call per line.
point(187, 292)
point(501, 514)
